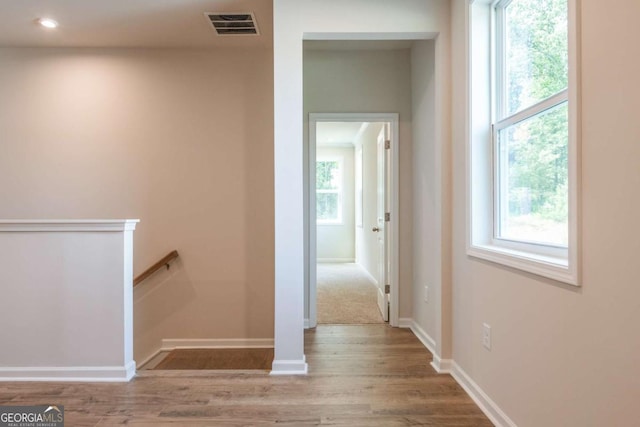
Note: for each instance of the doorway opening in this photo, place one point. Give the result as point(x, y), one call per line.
point(353, 227)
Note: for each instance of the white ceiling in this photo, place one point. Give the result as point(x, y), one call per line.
point(128, 23)
point(335, 133)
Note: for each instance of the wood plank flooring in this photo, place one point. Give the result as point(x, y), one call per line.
point(370, 375)
point(223, 358)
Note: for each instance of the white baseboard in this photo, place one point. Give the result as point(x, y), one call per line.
point(442, 366)
point(369, 275)
point(424, 337)
point(488, 406)
point(290, 367)
point(72, 373)
point(306, 323)
point(189, 343)
point(449, 366)
point(150, 357)
point(335, 260)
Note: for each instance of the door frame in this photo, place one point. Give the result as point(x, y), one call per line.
point(394, 224)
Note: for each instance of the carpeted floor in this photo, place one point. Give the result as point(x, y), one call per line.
point(346, 295)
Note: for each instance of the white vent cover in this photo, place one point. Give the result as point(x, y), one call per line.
point(234, 24)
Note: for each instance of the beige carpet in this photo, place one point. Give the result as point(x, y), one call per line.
point(346, 295)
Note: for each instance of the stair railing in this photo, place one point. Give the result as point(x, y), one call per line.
point(165, 261)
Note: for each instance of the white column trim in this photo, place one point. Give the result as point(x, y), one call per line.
point(290, 367)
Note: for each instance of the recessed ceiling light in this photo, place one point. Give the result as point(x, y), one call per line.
point(47, 22)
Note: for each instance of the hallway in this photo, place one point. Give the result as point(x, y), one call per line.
point(368, 375)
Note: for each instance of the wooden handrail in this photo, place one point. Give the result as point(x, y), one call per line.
point(155, 267)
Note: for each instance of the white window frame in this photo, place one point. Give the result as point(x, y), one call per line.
point(485, 102)
point(339, 191)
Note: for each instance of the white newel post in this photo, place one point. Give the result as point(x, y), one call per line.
point(66, 302)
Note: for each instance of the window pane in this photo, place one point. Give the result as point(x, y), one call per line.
point(536, 58)
point(327, 206)
point(533, 177)
point(327, 175)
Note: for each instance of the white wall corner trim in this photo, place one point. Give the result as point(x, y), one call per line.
point(191, 343)
point(290, 367)
point(71, 373)
point(442, 366)
point(39, 225)
point(488, 406)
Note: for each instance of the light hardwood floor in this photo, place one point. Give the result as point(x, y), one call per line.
point(369, 375)
point(219, 359)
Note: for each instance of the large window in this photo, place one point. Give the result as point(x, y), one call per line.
point(531, 132)
point(523, 176)
point(329, 191)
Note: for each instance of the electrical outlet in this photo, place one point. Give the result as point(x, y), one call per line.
point(426, 294)
point(486, 336)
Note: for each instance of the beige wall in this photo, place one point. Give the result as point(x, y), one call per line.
point(369, 81)
point(565, 356)
point(427, 254)
point(337, 241)
point(182, 140)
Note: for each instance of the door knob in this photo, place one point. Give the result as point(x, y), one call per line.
point(376, 229)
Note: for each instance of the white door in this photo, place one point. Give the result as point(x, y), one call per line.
point(380, 229)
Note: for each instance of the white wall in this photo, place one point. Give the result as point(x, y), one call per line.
point(565, 356)
point(367, 250)
point(336, 242)
point(181, 139)
point(295, 20)
point(369, 81)
point(66, 305)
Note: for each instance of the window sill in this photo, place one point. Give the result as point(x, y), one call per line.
point(541, 265)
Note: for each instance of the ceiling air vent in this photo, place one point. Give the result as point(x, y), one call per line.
point(234, 24)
